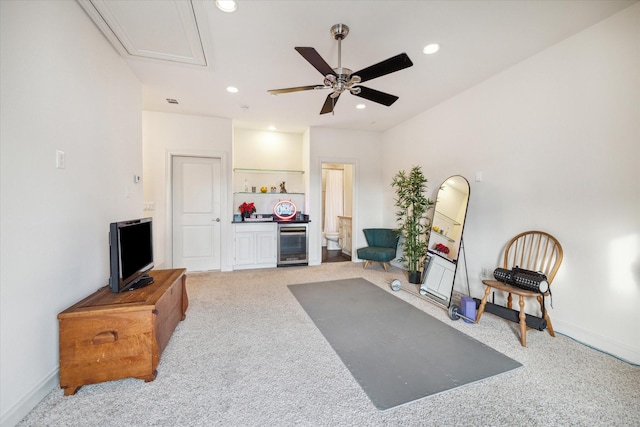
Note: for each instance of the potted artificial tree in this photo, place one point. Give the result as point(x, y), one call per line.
point(413, 223)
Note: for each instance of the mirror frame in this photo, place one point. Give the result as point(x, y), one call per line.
point(443, 262)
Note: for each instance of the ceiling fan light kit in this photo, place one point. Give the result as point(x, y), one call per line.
point(341, 79)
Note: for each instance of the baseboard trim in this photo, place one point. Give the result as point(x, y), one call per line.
point(598, 342)
point(20, 410)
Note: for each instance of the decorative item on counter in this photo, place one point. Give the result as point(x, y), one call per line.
point(263, 189)
point(246, 209)
point(253, 189)
point(285, 210)
point(273, 188)
point(436, 228)
point(442, 248)
point(282, 187)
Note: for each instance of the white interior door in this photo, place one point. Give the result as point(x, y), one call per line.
point(196, 213)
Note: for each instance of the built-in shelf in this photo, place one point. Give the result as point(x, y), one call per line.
point(254, 179)
point(443, 236)
point(268, 193)
point(267, 170)
point(449, 219)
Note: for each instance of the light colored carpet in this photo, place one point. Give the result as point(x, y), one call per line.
point(248, 354)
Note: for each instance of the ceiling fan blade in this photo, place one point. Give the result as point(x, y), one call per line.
point(376, 96)
point(314, 58)
point(296, 89)
point(391, 65)
point(329, 103)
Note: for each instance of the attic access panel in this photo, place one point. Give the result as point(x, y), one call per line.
point(172, 35)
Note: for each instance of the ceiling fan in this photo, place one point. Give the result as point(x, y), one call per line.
point(342, 79)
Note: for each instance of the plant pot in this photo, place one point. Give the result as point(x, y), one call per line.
point(414, 277)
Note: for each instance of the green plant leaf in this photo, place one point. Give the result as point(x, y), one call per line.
point(411, 216)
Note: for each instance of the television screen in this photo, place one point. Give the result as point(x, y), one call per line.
point(131, 253)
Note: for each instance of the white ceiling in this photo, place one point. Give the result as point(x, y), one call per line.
point(253, 50)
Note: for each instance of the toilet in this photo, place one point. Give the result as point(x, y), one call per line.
point(332, 241)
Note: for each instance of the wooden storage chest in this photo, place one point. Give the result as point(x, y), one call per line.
point(109, 336)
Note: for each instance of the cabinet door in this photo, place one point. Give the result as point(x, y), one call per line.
point(347, 239)
point(266, 248)
point(244, 248)
point(439, 278)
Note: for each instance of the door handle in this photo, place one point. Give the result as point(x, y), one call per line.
point(216, 220)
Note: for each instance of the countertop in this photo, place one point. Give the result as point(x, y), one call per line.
point(272, 220)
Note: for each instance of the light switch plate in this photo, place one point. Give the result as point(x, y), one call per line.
point(60, 161)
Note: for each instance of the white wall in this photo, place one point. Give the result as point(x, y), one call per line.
point(63, 88)
point(255, 149)
point(269, 151)
point(557, 139)
point(165, 135)
point(362, 149)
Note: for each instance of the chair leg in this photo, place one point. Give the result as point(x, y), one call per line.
point(523, 323)
point(546, 317)
point(384, 265)
point(549, 326)
point(366, 262)
point(483, 303)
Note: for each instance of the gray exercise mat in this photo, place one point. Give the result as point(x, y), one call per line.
point(396, 352)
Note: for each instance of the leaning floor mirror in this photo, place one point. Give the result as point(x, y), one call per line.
point(445, 240)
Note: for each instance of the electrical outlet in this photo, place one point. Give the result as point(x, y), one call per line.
point(60, 163)
point(487, 272)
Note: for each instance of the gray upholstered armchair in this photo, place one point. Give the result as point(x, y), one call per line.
point(382, 246)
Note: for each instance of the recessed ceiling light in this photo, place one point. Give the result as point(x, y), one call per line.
point(226, 5)
point(232, 89)
point(361, 106)
point(431, 48)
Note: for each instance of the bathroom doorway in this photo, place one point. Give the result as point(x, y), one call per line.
point(337, 208)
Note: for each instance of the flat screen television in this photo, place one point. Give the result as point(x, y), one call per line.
point(131, 254)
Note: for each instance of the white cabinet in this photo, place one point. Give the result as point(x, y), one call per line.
point(344, 234)
point(255, 245)
point(439, 277)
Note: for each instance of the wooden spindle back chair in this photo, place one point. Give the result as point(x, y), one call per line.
point(531, 250)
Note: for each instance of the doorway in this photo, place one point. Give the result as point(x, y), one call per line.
point(337, 209)
point(196, 207)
